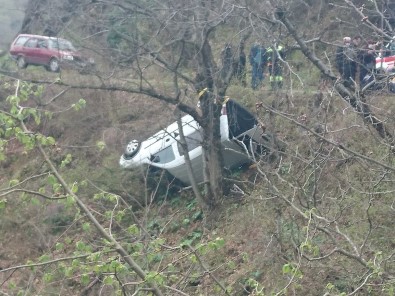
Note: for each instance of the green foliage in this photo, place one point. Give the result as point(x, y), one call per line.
point(67, 160)
point(3, 203)
point(292, 270)
point(191, 238)
point(256, 288)
point(101, 145)
point(79, 105)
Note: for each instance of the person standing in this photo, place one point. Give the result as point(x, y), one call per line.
point(346, 56)
point(276, 56)
point(227, 62)
point(257, 58)
point(240, 66)
point(368, 63)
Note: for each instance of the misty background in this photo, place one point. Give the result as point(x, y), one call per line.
point(12, 13)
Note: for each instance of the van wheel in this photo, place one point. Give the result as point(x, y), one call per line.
point(21, 63)
point(53, 65)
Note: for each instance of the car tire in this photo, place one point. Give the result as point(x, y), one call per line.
point(53, 65)
point(21, 62)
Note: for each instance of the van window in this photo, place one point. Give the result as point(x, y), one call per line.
point(32, 43)
point(193, 140)
point(42, 43)
point(53, 44)
point(61, 44)
point(164, 156)
point(21, 40)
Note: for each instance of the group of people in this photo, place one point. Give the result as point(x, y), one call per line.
point(351, 57)
point(260, 59)
point(271, 58)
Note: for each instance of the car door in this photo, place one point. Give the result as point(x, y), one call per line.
point(30, 51)
point(42, 52)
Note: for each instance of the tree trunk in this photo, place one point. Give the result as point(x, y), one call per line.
point(212, 146)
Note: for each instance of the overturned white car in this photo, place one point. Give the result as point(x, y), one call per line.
point(241, 135)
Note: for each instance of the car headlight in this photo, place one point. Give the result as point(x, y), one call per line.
point(68, 57)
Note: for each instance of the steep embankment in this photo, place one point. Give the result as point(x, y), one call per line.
point(316, 219)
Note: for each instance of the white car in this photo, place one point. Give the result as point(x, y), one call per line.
point(241, 135)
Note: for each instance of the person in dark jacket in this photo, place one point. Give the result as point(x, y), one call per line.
point(368, 63)
point(346, 57)
point(227, 62)
point(239, 66)
point(275, 57)
point(257, 58)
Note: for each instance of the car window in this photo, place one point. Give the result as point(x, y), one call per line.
point(42, 43)
point(164, 156)
point(61, 44)
point(32, 42)
point(193, 140)
point(52, 43)
point(21, 40)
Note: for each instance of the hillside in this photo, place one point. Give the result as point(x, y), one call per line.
point(313, 219)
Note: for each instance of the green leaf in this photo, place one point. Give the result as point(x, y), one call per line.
point(70, 200)
point(85, 279)
point(95, 257)
point(51, 179)
point(44, 258)
point(100, 145)
point(13, 182)
point(68, 272)
point(59, 246)
point(133, 229)
point(231, 264)
point(86, 227)
point(3, 203)
point(80, 246)
point(48, 277)
point(108, 280)
point(74, 188)
point(287, 268)
point(75, 263)
point(51, 141)
point(35, 201)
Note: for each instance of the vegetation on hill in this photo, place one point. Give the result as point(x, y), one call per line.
point(314, 219)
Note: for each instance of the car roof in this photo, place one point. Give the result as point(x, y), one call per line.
point(39, 36)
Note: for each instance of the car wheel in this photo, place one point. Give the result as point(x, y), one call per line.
point(21, 63)
point(131, 149)
point(53, 65)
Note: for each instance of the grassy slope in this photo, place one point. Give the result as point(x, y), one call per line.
point(248, 224)
point(258, 241)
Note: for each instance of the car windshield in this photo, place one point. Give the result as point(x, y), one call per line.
point(62, 44)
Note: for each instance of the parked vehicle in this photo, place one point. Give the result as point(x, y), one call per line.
point(241, 135)
point(385, 62)
point(50, 52)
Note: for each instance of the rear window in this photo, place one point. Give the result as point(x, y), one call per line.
point(21, 40)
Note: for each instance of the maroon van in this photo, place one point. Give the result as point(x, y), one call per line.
point(50, 52)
